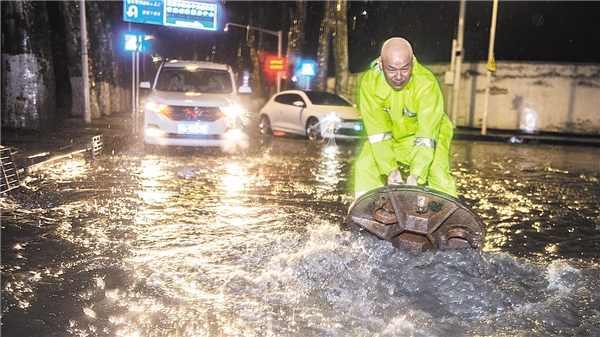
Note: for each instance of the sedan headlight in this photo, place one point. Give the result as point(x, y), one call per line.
point(232, 113)
point(158, 107)
point(233, 110)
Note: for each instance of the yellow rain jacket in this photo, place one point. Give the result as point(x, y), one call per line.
point(408, 126)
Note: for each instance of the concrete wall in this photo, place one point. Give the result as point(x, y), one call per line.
point(524, 96)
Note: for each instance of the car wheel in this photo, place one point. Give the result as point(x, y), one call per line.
point(313, 130)
point(265, 125)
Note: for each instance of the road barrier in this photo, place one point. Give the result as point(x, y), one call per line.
point(10, 172)
point(10, 175)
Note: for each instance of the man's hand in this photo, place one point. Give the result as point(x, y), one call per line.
point(395, 178)
point(412, 179)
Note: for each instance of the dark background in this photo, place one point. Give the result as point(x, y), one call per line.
point(550, 31)
point(545, 31)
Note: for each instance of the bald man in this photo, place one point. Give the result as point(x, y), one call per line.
point(408, 131)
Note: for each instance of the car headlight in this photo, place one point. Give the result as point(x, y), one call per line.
point(234, 112)
point(157, 107)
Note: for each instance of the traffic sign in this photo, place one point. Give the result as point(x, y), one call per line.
point(134, 42)
point(274, 64)
point(308, 68)
point(175, 13)
point(141, 11)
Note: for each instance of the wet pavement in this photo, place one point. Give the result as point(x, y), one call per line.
point(74, 134)
point(198, 242)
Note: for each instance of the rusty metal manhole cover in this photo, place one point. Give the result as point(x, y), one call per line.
point(416, 219)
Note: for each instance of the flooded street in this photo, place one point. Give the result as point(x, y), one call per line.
point(196, 242)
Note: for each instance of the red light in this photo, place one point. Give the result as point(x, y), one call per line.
point(274, 64)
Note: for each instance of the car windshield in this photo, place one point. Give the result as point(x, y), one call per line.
point(325, 98)
point(200, 80)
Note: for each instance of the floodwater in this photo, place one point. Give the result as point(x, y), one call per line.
point(203, 243)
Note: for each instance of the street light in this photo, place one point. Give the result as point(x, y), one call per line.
point(271, 32)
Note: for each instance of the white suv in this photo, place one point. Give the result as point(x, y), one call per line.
point(191, 104)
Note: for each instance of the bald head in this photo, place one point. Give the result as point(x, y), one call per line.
point(396, 45)
point(396, 61)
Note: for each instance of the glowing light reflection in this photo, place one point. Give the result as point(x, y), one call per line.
point(151, 172)
point(66, 170)
point(234, 140)
point(234, 179)
point(329, 171)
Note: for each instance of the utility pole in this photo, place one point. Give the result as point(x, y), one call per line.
point(458, 61)
point(489, 72)
point(84, 63)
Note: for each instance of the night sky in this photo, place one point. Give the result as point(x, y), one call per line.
point(546, 31)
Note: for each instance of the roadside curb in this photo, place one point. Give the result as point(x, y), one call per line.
point(516, 137)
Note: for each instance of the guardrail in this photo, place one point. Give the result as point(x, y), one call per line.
point(10, 179)
point(97, 146)
point(10, 176)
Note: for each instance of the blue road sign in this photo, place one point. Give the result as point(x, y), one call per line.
point(142, 11)
point(308, 68)
point(174, 13)
point(134, 42)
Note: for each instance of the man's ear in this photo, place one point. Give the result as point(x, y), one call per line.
point(379, 62)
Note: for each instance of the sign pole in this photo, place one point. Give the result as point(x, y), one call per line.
point(137, 90)
point(133, 129)
point(489, 71)
point(279, 56)
point(458, 61)
point(84, 64)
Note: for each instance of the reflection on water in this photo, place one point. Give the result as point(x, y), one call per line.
point(329, 172)
point(543, 198)
point(199, 243)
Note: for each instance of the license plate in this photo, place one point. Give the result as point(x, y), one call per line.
point(192, 128)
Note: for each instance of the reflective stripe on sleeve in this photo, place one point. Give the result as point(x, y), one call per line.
point(380, 137)
point(425, 142)
point(407, 113)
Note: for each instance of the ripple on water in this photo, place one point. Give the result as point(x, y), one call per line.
point(211, 245)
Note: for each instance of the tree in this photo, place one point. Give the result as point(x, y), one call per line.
point(113, 77)
point(334, 19)
point(28, 88)
point(296, 34)
point(70, 14)
point(99, 51)
point(325, 33)
point(340, 50)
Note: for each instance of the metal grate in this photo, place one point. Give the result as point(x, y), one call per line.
point(10, 175)
point(97, 146)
